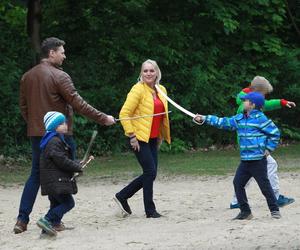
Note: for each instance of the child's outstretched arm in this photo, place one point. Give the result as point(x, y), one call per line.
point(270, 105)
point(274, 104)
point(227, 123)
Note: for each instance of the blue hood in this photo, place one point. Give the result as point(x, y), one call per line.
point(47, 137)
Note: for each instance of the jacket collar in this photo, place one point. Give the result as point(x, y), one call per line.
point(47, 62)
point(48, 136)
point(147, 87)
point(253, 113)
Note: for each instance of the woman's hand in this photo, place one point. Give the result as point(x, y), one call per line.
point(159, 142)
point(134, 144)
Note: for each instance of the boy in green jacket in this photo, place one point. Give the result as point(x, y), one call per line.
point(262, 85)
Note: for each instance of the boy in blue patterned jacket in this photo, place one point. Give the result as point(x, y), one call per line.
point(257, 136)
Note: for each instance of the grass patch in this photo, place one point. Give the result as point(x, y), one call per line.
point(125, 166)
point(14, 172)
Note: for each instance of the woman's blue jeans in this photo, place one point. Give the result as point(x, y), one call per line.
point(147, 157)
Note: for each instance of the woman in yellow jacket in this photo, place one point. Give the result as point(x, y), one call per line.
point(145, 134)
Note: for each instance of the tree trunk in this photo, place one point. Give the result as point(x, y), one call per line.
point(34, 18)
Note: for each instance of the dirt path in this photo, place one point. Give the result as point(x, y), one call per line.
point(196, 217)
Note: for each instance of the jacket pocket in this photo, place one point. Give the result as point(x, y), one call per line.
point(65, 186)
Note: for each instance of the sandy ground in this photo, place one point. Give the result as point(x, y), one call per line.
point(196, 216)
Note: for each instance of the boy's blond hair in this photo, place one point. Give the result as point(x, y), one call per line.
point(261, 84)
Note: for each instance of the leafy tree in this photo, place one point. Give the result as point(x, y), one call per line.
point(207, 51)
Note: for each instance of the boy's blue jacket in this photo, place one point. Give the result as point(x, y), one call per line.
point(255, 131)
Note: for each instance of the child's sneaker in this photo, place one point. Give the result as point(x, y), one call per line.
point(275, 214)
point(284, 201)
point(44, 224)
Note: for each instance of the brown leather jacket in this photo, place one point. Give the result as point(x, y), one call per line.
point(47, 88)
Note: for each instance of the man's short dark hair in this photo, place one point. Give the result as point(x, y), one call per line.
point(51, 43)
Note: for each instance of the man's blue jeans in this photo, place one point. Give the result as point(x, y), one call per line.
point(32, 185)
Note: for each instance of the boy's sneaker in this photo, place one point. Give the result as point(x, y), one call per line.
point(284, 201)
point(20, 227)
point(44, 224)
point(275, 214)
point(234, 206)
point(244, 216)
point(123, 205)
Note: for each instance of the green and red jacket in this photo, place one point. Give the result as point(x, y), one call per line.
point(270, 105)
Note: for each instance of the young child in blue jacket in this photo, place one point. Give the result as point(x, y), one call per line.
point(257, 136)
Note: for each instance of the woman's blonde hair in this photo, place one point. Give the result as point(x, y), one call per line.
point(156, 68)
point(261, 84)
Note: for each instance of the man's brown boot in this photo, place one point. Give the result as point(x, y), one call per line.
point(20, 227)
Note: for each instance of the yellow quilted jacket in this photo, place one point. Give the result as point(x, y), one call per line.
point(139, 102)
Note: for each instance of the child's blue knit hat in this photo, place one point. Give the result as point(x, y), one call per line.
point(255, 97)
point(53, 119)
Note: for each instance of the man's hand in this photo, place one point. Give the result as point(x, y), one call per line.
point(110, 120)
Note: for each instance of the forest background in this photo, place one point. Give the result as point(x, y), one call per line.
point(207, 50)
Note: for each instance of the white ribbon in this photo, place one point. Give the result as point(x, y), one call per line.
point(178, 106)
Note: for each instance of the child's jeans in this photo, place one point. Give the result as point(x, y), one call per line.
point(258, 170)
point(272, 167)
point(59, 205)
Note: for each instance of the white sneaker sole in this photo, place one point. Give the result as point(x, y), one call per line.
point(121, 207)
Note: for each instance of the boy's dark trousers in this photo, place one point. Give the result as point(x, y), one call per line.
point(59, 205)
point(258, 170)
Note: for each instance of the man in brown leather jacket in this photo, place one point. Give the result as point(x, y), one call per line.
point(46, 87)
